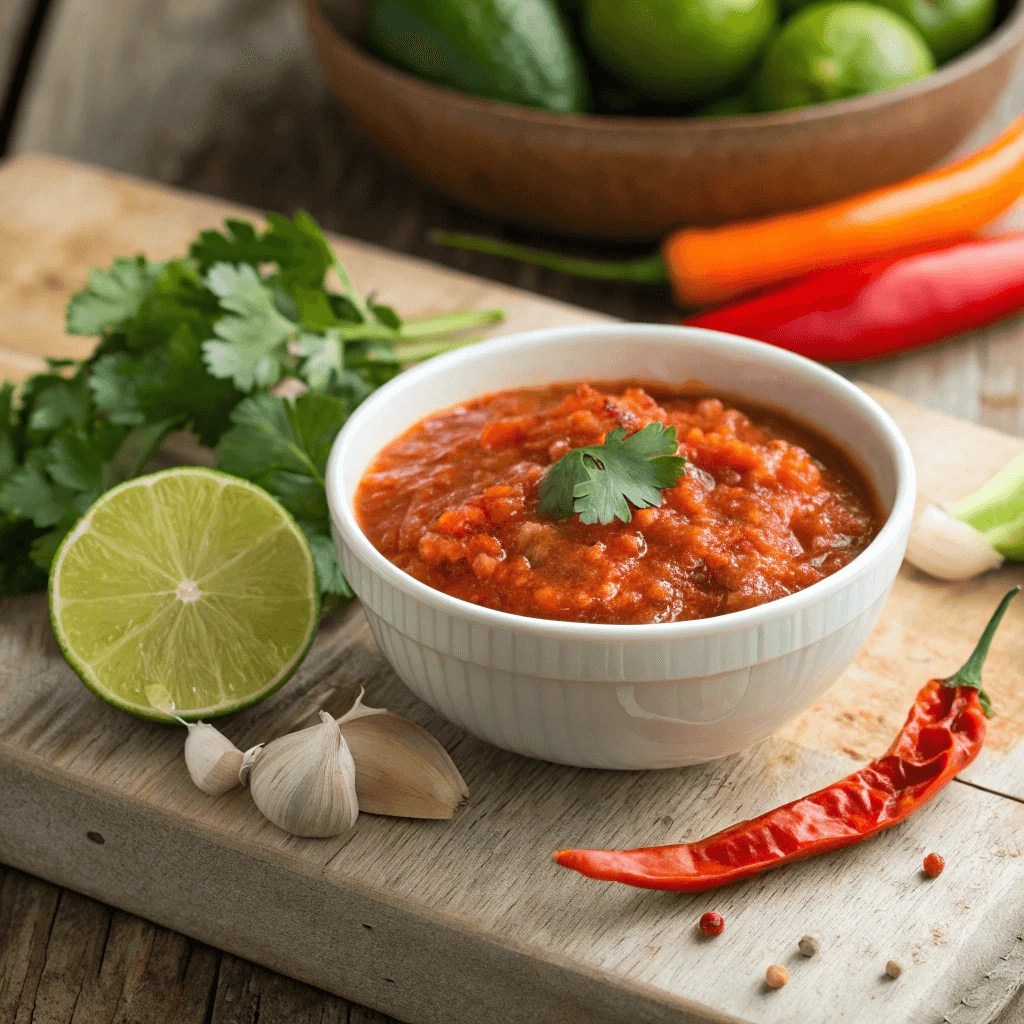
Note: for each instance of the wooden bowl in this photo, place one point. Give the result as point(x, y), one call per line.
point(638, 177)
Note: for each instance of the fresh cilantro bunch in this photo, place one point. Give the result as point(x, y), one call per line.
point(599, 482)
point(198, 343)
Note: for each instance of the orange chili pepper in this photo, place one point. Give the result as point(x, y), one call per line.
point(709, 265)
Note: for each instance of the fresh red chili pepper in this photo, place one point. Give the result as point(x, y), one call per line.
point(877, 308)
point(942, 735)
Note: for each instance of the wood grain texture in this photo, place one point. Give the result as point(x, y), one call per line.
point(374, 914)
point(225, 97)
point(478, 895)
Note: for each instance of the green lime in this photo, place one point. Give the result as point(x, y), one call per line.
point(518, 51)
point(186, 587)
point(833, 51)
point(949, 26)
point(678, 50)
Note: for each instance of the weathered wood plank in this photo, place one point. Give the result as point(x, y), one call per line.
point(114, 774)
point(487, 870)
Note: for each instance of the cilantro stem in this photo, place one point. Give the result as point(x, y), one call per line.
point(351, 293)
point(468, 320)
point(422, 350)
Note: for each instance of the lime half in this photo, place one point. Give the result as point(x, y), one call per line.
point(188, 591)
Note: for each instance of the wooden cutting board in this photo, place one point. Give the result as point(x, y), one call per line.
point(469, 920)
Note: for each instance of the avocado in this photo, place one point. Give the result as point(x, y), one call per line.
point(517, 51)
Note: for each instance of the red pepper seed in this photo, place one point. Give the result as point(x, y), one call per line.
point(711, 923)
point(776, 976)
point(933, 865)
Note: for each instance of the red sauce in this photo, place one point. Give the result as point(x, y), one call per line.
point(765, 508)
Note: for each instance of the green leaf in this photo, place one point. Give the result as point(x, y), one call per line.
point(178, 299)
point(166, 383)
point(239, 243)
point(313, 309)
point(325, 557)
point(19, 574)
point(8, 456)
point(111, 296)
point(299, 248)
point(51, 403)
point(30, 493)
point(253, 339)
point(600, 481)
point(115, 388)
point(283, 446)
point(325, 359)
point(79, 461)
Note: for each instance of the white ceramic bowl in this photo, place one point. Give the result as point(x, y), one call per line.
point(609, 696)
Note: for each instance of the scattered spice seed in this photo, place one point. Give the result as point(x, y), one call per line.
point(711, 923)
point(933, 865)
point(809, 945)
point(776, 976)
point(894, 968)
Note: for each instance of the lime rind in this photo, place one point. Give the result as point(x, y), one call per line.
point(187, 582)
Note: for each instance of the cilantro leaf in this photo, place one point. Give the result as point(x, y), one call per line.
point(19, 574)
point(111, 296)
point(600, 481)
point(50, 403)
point(283, 447)
point(30, 493)
point(325, 359)
point(167, 383)
point(8, 456)
point(239, 243)
point(253, 337)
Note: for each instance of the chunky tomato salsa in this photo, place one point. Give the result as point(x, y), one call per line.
point(764, 507)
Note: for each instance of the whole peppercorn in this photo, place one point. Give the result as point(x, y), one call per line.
point(776, 976)
point(809, 945)
point(933, 865)
point(711, 923)
point(894, 968)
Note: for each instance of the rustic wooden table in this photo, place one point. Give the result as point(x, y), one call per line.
point(225, 97)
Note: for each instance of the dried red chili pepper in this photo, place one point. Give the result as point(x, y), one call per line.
point(942, 735)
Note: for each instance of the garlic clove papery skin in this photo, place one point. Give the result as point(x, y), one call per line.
point(213, 761)
point(948, 548)
point(401, 770)
point(305, 782)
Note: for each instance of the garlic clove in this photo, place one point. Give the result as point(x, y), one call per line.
point(402, 770)
point(213, 761)
point(948, 548)
point(360, 710)
point(305, 782)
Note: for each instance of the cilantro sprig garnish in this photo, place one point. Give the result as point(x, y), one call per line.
point(199, 343)
point(599, 482)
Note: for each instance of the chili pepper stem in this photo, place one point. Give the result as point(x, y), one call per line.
point(970, 674)
point(641, 270)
